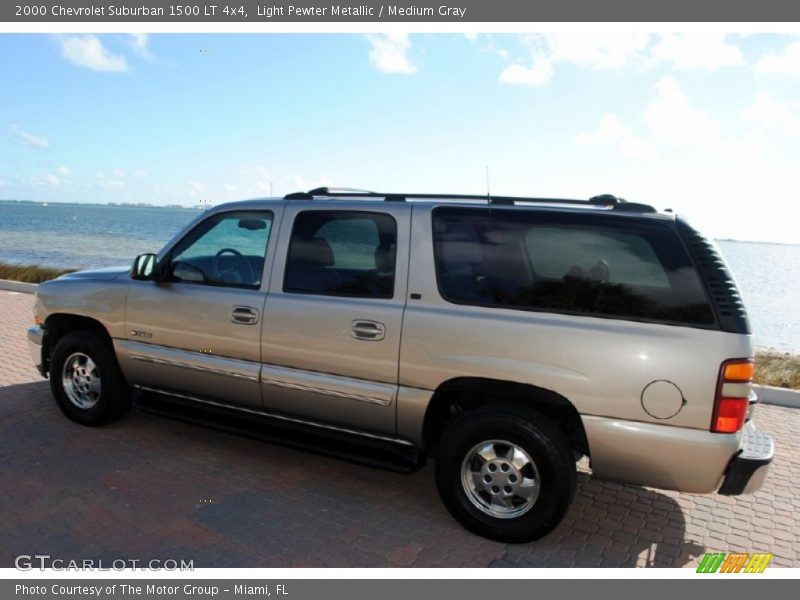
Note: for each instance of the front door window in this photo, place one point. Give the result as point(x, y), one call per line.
point(227, 249)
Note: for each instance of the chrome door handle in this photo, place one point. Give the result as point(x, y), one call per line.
point(244, 315)
point(368, 330)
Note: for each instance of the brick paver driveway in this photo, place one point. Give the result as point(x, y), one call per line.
point(147, 487)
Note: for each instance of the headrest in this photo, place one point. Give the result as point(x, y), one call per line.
point(316, 252)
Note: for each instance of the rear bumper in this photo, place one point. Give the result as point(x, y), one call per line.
point(35, 343)
point(748, 469)
point(660, 456)
point(677, 458)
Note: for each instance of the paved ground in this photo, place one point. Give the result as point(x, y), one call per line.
point(148, 487)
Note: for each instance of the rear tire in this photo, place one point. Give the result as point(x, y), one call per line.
point(505, 473)
point(86, 381)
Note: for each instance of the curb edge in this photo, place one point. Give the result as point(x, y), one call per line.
point(17, 286)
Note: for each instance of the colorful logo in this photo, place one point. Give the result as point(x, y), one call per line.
point(721, 562)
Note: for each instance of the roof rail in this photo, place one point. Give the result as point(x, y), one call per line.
point(328, 191)
point(609, 200)
point(605, 199)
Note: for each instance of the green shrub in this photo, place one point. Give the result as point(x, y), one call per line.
point(778, 369)
point(30, 273)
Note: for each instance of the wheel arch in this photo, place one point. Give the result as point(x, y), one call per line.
point(58, 325)
point(460, 394)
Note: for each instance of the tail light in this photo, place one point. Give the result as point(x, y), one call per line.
point(733, 391)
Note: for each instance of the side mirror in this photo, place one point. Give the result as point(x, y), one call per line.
point(145, 267)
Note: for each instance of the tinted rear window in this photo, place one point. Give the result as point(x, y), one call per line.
point(594, 264)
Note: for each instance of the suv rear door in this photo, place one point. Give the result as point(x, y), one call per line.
point(331, 332)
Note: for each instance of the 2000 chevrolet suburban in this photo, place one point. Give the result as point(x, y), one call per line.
point(504, 336)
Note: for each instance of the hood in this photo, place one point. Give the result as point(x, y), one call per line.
point(98, 274)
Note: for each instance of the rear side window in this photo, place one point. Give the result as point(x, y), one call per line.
point(561, 250)
point(342, 253)
point(596, 264)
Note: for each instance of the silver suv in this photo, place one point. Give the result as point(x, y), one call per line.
point(505, 337)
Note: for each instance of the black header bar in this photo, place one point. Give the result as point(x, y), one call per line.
point(452, 11)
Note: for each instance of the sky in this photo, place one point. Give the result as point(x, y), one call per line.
point(705, 124)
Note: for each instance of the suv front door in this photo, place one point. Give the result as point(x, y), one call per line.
point(331, 334)
point(197, 334)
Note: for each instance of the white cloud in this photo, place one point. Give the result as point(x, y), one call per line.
point(28, 139)
point(673, 121)
point(787, 62)
point(613, 132)
point(88, 51)
point(140, 43)
point(140, 173)
point(64, 171)
point(771, 112)
point(538, 74)
point(389, 53)
point(51, 179)
point(597, 51)
point(686, 51)
point(594, 51)
point(615, 51)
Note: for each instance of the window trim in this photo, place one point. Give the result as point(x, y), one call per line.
point(339, 295)
point(168, 257)
point(713, 326)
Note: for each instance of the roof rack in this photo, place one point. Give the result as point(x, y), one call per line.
point(608, 200)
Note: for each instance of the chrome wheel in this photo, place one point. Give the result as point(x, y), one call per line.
point(81, 380)
point(500, 479)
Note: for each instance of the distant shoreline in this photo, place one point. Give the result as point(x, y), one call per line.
point(754, 242)
point(110, 204)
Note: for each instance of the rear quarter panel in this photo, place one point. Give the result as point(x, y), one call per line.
point(602, 366)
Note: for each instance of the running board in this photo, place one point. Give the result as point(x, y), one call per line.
point(370, 452)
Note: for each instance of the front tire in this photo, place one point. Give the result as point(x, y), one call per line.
point(505, 473)
point(86, 381)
